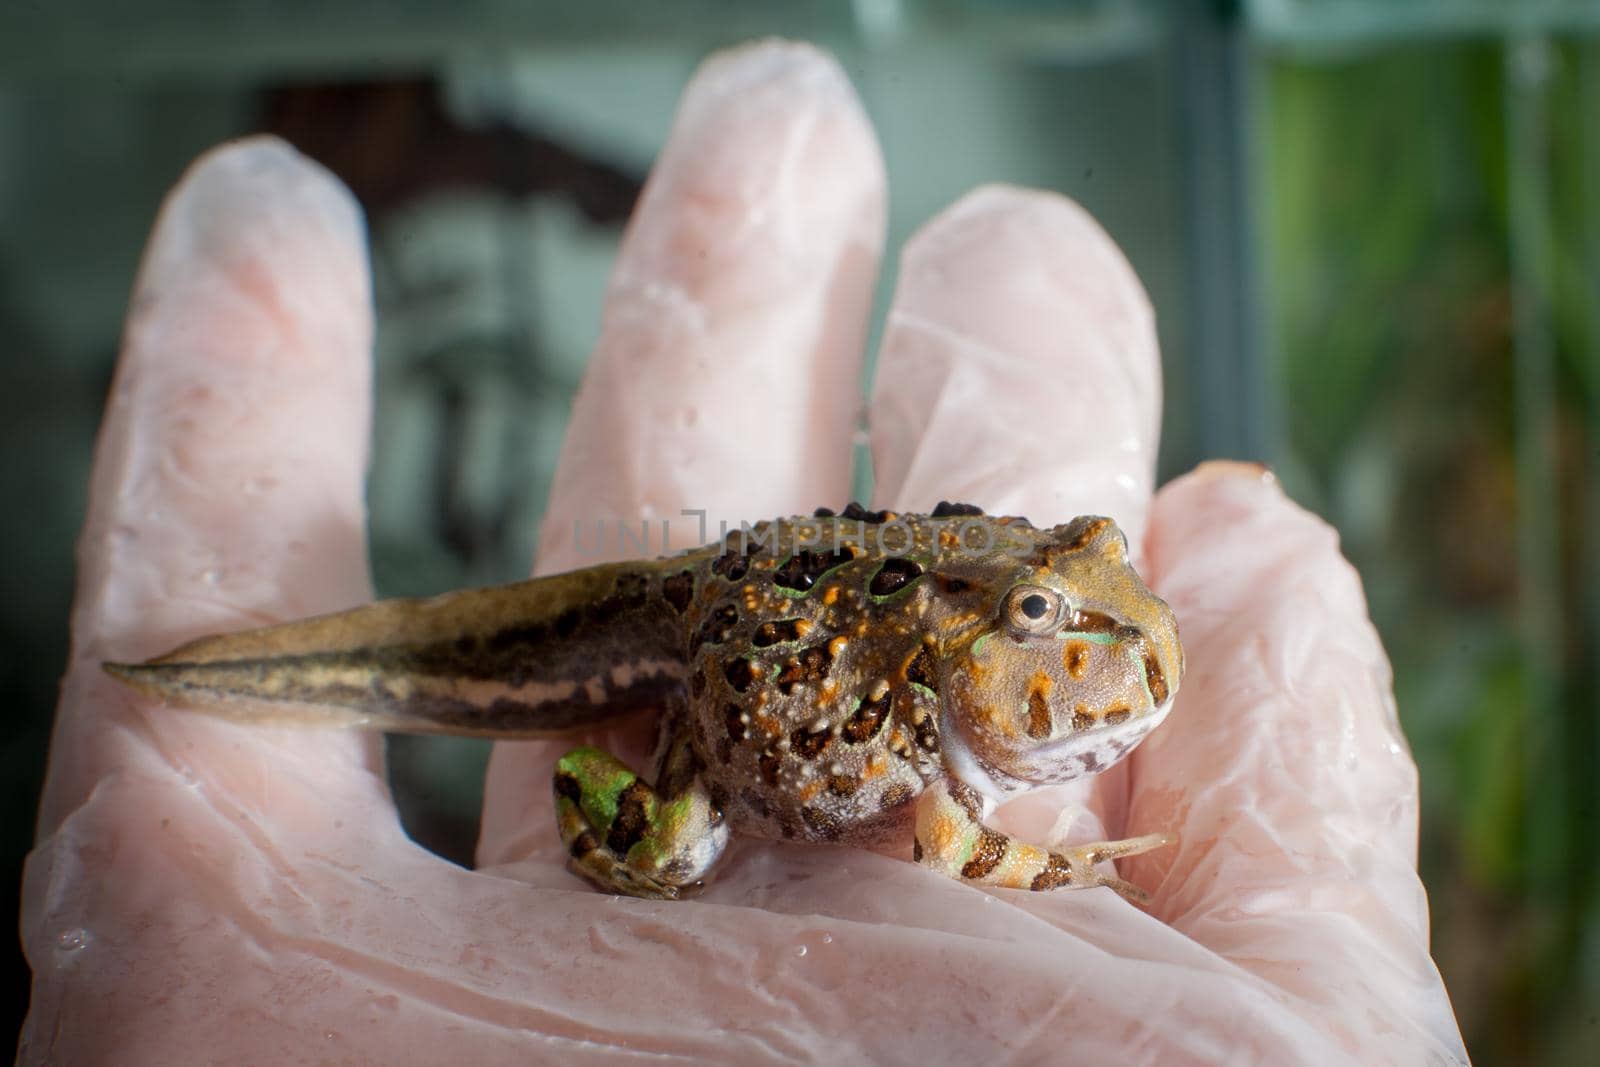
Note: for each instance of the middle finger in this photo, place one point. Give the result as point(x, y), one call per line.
point(1020, 373)
point(725, 376)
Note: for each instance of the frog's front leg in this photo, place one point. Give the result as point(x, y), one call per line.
point(627, 838)
point(951, 838)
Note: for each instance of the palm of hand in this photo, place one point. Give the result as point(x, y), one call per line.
point(204, 892)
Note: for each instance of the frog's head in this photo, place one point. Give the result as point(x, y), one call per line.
point(1080, 661)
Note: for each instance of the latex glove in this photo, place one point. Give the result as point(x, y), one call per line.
point(207, 892)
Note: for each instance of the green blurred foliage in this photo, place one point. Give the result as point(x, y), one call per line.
point(1396, 316)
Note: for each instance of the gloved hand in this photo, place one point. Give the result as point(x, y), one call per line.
point(204, 892)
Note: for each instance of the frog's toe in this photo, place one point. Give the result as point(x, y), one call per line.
point(1128, 846)
point(592, 860)
point(1081, 861)
point(1125, 889)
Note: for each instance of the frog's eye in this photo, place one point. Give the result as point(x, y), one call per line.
point(1033, 609)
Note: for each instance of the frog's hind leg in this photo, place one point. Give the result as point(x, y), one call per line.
point(625, 836)
point(951, 838)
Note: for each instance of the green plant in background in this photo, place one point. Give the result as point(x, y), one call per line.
point(1405, 194)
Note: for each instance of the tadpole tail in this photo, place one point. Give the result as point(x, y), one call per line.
point(530, 659)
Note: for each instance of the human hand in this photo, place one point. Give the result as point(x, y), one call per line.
point(205, 892)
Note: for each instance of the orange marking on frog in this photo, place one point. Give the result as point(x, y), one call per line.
point(998, 721)
point(831, 597)
point(1075, 657)
point(944, 835)
point(1039, 705)
point(1087, 534)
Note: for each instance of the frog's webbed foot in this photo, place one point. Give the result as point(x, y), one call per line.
point(951, 838)
point(625, 837)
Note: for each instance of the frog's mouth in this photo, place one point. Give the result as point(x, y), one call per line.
point(1090, 751)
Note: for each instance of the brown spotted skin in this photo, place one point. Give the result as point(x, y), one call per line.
point(817, 673)
point(820, 712)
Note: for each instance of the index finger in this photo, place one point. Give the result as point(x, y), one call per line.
point(227, 487)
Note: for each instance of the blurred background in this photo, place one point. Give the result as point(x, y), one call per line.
point(1371, 230)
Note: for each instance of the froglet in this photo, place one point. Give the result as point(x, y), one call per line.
point(845, 678)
